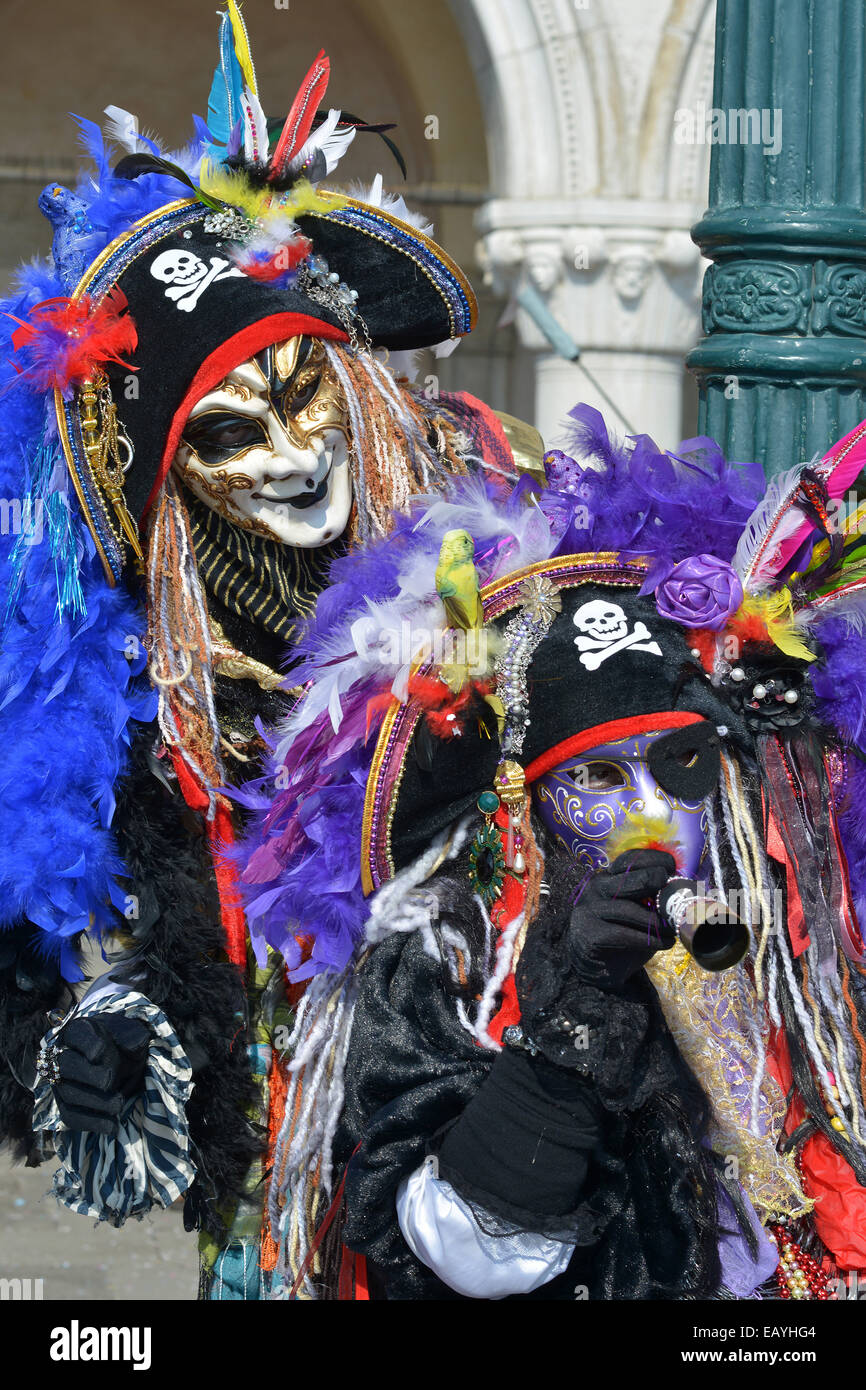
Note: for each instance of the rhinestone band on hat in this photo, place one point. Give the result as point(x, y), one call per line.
point(321, 284)
point(233, 224)
point(315, 278)
point(540, 602)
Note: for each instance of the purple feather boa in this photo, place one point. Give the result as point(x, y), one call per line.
point(300, 862)
point(642, 499)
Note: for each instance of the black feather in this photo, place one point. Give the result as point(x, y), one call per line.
point(132, 166)
point(186, 974)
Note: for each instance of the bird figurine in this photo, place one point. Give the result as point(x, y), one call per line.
point(457, 580)
point(457, 586)
point(68, 216)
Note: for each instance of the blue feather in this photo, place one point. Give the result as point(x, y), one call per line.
point(69, 698)
point(202, 133)
point(224, 108)
point(92, 139)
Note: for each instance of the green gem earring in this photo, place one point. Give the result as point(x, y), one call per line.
point(486, 858)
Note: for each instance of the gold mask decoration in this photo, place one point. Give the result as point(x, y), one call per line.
point(268, 447)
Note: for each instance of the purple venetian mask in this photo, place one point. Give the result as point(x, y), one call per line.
point(660, 776)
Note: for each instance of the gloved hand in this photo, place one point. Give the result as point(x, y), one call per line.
point(528, 1133)
point(101, 1065)
point(613, 932)
point(585, 1001)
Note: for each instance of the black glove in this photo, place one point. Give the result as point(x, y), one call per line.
point(586, 1004)
point(525, 1144)
point(102, 1064)
point(615, 928)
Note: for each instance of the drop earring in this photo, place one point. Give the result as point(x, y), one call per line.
point(486, 857)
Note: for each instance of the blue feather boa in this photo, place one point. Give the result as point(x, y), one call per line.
point(70, 691)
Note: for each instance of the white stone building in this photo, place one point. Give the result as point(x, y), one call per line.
point(539, 134)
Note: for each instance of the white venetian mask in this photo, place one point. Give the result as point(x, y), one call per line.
point(268, 447)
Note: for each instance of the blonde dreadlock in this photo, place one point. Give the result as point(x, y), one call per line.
point(397, 450)
point(179, 644)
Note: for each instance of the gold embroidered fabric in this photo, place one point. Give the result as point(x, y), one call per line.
point(273, 585)
point(707, 1020)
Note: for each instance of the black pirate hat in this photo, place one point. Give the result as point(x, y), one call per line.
point(608, 665)
point(197, 314)
point(259, 253)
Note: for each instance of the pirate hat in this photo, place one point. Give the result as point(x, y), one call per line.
point(609, 665)
point(179, 268)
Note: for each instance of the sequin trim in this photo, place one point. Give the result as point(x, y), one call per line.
point(444, 281)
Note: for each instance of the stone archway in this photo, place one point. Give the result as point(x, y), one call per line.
point(592, 198)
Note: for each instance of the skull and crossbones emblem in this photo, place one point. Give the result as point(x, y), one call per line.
point(603, 630)
point(187, 277)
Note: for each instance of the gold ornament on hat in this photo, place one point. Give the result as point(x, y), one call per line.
point(540, 599)
point(109, 454)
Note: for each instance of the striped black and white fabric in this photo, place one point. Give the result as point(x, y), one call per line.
point(147, 1162)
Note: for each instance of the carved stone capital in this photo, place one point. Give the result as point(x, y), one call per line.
point(614, 284)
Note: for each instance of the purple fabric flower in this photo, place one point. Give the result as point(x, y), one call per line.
point(701, 591)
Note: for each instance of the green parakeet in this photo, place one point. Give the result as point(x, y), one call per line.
point(457, 580)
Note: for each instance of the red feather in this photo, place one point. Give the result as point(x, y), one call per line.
point(750, 629)
point(704, 643)
point(270, 266)
point(444, 712)
point(299, 121)
point(63, 341)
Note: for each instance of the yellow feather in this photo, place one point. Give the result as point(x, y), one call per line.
point(303, 197)
point(849, 523)
point(776, 611)
point(242, 47)
point(638, 832)
point(232, 187)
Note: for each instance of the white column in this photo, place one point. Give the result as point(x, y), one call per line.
point(624, 285)
point(593, 195)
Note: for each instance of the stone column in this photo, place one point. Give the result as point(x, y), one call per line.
point(592, 198)
point(782, 368)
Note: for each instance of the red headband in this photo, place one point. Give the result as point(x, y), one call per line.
point(607, 733)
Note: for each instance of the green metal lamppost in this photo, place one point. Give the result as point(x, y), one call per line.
point(782, 366)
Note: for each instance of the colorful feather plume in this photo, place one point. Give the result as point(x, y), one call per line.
point(224, 110)
point(770, 618)
point(778, 533)
point(273, 267)
point(63, 341)
point(234, 109)
point(299, 121)
point(261, 204)
point(322, 152)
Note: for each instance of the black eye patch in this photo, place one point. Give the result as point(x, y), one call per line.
point(687, 762)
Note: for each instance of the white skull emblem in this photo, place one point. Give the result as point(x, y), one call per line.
point(602, 621)
point(178, 268)
point(187, 277)
point(603, 631)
